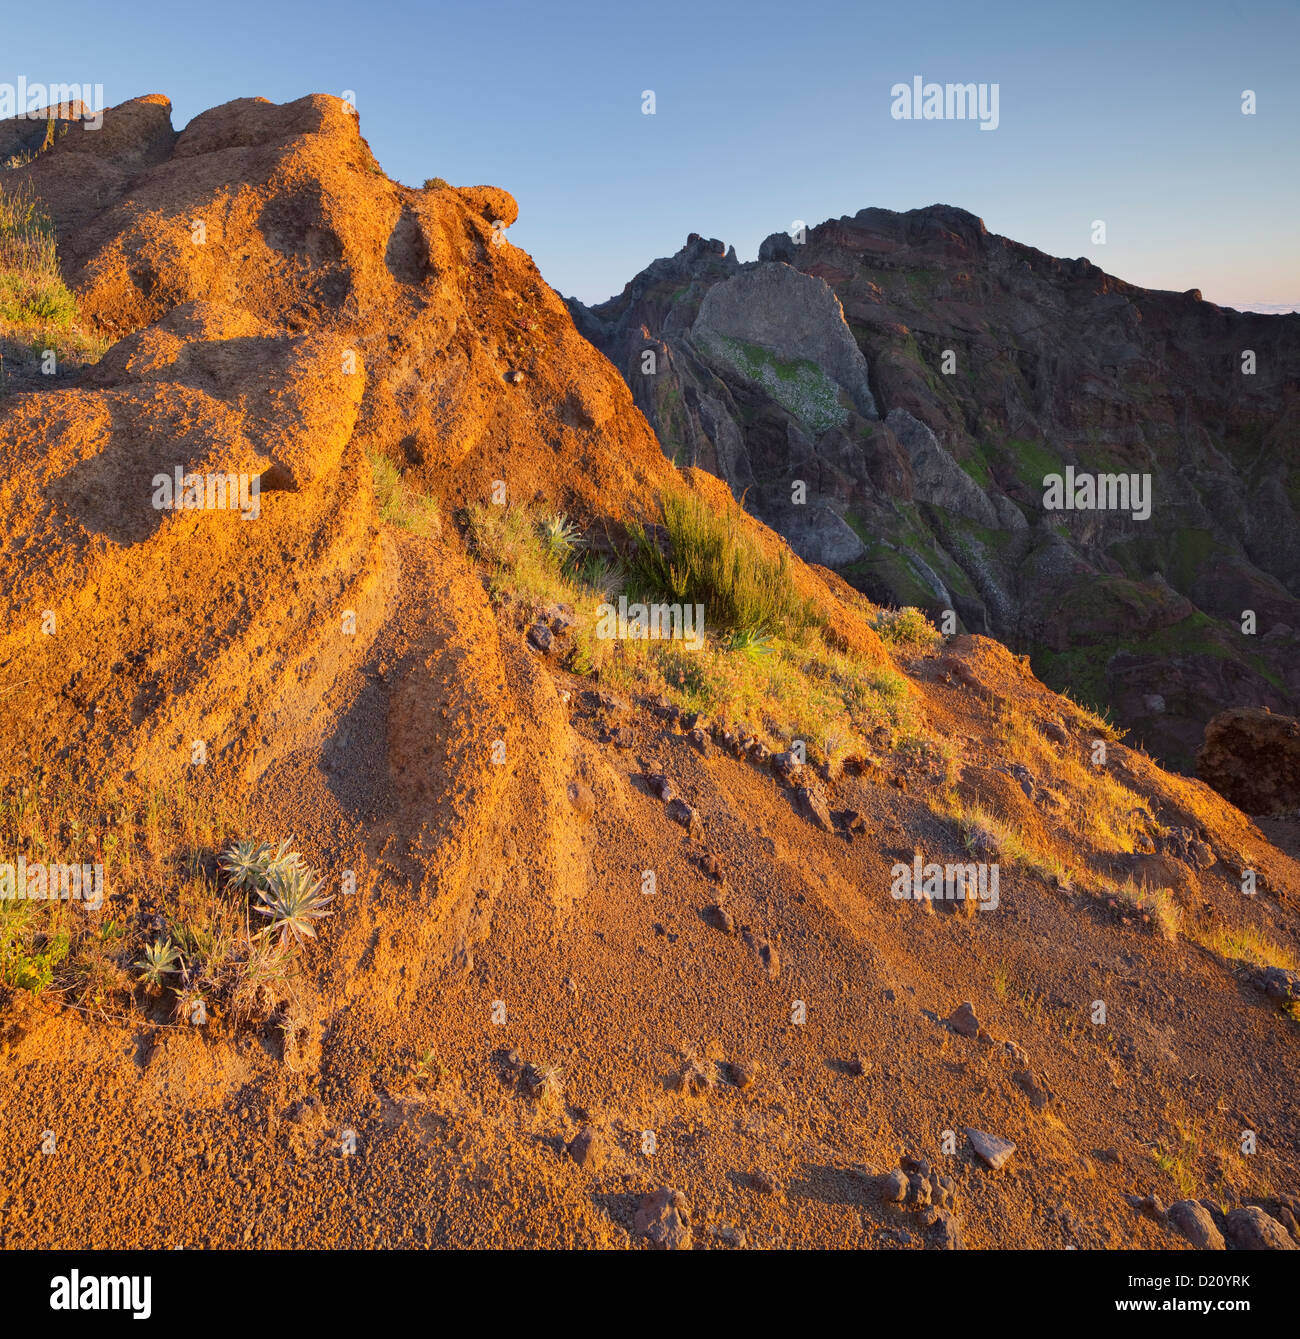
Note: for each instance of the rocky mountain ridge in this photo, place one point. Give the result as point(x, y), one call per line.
point(978, 368)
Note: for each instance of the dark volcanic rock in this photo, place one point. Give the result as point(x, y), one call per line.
point(1253, 759)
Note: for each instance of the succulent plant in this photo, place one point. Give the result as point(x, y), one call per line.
point(560, 537)
point(161, 959)
point(245, 863)
point(294, 899)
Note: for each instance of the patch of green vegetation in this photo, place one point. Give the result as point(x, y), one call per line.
point(801, 387)
point(977, 466)
point(1031, 460)
point(1080, 670)
point(32, 292)
point(711, 561)
point(906, 628)
point(762, 661)
point(398, 503)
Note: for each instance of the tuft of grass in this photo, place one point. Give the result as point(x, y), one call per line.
point(1157, 903)
point(709, 560)
point(33, 295)
point(1178, 1153)
point(399, 504)
point(1242, 943)
point(437, 184)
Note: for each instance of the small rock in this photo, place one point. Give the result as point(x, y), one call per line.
point(720, 918)
point(681, 812)
point(943, 1191)
point(1039, 1094)
point(587, 1149)
point(541, 637)
point(1251, 1229)
point(810, 803)
point(582, 798)
point(943, 1231)
point(694, 1080)
point(560, 616)
point(600, 699)
point(992, 1149)
point(662, 708)
point(1056, 733)
point(1149, 1206)
point(765, 952)
point(1280, 983)
point(853, 822)
point(730, 1236)
point(963, 1021)
point(664, 1219)
point(514, 377)
point(659, 785)
point(764, 1183)
point(918, 1192)
point(1192, 1220)
point(789, 768)
point(700, 741)
point(711, 868)
point(858, 1065)
point(892, 1186)
point(1201, 854)
point(743, 1072)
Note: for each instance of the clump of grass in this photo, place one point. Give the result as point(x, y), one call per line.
point(31, 952)
point(1242, 943)
point(1106, 815)
point(711, 561)
point(907, 629)
point(437, 184)
point(399, 504)
point(33, 295)
point(1001, 980)
point(989, 838)
point(1155, 903)
point(1178, 1153)
point(778, 679)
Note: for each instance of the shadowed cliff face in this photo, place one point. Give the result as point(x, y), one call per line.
point(985, 367)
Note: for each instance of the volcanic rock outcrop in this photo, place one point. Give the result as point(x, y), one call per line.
point(1253, 757)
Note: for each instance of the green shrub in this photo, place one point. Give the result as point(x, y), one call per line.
point(908, 629)
point(709, 560)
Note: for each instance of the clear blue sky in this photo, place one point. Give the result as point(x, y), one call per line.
point(766, 113)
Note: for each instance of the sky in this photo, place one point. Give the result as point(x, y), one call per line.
point(767, 113)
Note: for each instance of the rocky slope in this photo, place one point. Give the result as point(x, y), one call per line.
point(922, 376)
point(500, 1036)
